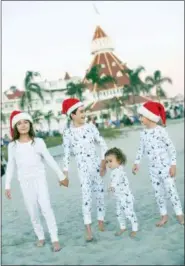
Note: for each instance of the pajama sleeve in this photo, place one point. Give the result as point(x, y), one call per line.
point(100, 141)
point(169, 144)
point(140, 151)
point(67, 150)
point(50, 160)
point(10, 170)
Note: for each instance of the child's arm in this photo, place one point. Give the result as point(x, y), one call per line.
point(140, 151)
point(139, 154)
point(103, 148)
point(10, 170)
point(100, 141)
point(67, 151)
point(50, 160)
point(170, 146)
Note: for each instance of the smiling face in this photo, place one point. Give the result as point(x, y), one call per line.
point(23, 127)
point(79, 116)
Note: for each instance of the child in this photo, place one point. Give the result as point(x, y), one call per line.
point(80, 138)
point(116, 160)
point(155, 142)
point(26, 153)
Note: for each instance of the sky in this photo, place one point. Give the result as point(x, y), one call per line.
point(53, 37)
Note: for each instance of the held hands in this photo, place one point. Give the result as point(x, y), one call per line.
point(111, 189)
point(172, 171)
point(135, 169)
point(64, 182)
point(102, 168)
point(8, 194)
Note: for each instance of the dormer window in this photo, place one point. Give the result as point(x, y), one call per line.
point(119, 74)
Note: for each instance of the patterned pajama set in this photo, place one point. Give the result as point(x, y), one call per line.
point(124, 198)
point(81, 141)
point(27, 158)
point(161, 152)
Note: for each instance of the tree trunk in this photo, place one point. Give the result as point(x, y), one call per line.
point(157, 94)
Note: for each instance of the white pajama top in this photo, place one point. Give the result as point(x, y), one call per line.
point(27, 159)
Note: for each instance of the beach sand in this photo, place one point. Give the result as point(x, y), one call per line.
point(152, 246)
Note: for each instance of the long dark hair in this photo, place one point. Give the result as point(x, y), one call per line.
point(120, 156)
point(16, 134)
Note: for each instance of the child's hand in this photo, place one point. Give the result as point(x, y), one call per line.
point(135, 168)
point(8, 193)
point(102, 168)
point(64, 182)
point(172, 170)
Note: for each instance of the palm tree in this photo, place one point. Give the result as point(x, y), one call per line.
point(3, 117)
point(76, 89)
point(135, 86)
point(94, 76)
point(156, 81)
point(30, 89)
point(48, 117)
point(37, 116)
point(115, 105)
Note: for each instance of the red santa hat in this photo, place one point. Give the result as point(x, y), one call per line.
point(69, 105)
point(16, 116)
point(154, 111)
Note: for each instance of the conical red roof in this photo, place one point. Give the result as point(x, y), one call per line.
point(110, 65)
point(99, 33)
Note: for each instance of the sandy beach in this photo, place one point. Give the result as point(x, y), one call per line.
point(152, 246)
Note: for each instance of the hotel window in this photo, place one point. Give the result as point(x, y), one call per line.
point(119, 74)
point(103, 65)
point(113, 64)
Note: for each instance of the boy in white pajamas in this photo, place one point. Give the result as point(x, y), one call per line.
point(155, 142)
point(26, 154)
point(80, 138)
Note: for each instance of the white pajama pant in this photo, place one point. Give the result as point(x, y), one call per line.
point(125, 208)
point(165, 187)
point(36, 194)
point(89, 185)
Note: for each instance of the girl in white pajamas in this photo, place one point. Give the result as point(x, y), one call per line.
point(80, 138)
point(155, 142)
point(119, 185)
point(25, 154)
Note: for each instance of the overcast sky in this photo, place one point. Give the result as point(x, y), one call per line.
point(54, 37)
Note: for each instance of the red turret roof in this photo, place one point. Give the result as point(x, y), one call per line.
point(99, 33)
point(110, 64)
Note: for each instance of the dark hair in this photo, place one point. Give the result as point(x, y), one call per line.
point(16, 134)
point(70, 117)
point(120, 156)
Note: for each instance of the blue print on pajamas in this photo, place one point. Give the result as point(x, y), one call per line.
point(124, 198)
point(161, 153)
point(81, 141)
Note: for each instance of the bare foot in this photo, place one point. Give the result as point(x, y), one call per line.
point(180, 219)
point(89, 236)
point(56, 246)
point(163, 221)
point(101, 226)
point(133, 233)
point(40, 243)
point(119, 233)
